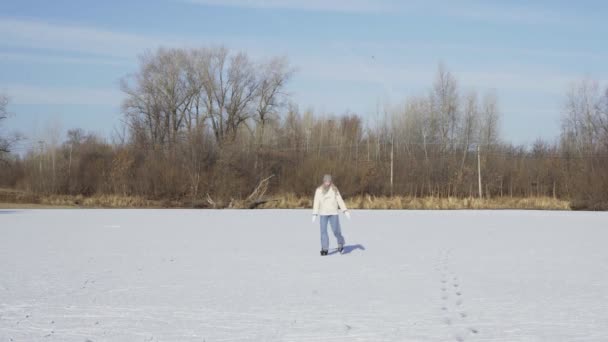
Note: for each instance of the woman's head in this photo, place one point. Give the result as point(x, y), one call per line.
point(327, 180)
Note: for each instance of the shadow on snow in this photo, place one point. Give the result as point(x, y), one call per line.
point(348, 249)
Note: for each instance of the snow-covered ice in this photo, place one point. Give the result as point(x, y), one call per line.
point(196, 275)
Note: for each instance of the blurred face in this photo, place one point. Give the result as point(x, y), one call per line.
point(326, 183)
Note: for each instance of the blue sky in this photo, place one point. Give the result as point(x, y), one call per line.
point(61, 61)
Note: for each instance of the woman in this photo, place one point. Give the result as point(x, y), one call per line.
point(326, 204)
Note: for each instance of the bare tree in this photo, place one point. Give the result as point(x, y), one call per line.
point(603, 118)
point(175, 90)
point(161, 95)
point(5, 142)
point(469, 126)
point(445, 104)
point(584, 142)
point(237, 90)
point(585, 123)
point(3, 105)
point(490, 120)
point(271, 94)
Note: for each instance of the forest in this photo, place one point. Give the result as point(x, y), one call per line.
point(212, 127)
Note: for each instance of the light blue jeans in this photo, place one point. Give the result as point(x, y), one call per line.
point(334, 221)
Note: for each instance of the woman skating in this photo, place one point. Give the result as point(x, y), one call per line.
point(327, 203)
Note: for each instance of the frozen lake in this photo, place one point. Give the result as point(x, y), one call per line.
point(186, 275)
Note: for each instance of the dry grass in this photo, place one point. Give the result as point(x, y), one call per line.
point(21, 199)
point(429, 203)
point(452, 203)
point(288, 201)
point(17, 199)
point(100, 201)
point(32, 206)
point(16, 196)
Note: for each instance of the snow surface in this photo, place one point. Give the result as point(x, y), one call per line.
point(188, 275)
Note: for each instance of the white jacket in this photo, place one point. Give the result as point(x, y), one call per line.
point(329, 202)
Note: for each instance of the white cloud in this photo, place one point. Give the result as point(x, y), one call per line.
point(42, 35)
point(391, 76)
point(504, 12)
point(28, 94)
point(518, 80)
point(466, 10)
point(306, 5)
point(92, 45)
point(19, 33)
point(444, 48)
point(53, 59)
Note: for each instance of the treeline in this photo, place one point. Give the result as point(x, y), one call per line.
point(205, 126)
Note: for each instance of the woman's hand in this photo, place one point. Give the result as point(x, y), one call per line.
point(314, 217)
point(347, 214)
